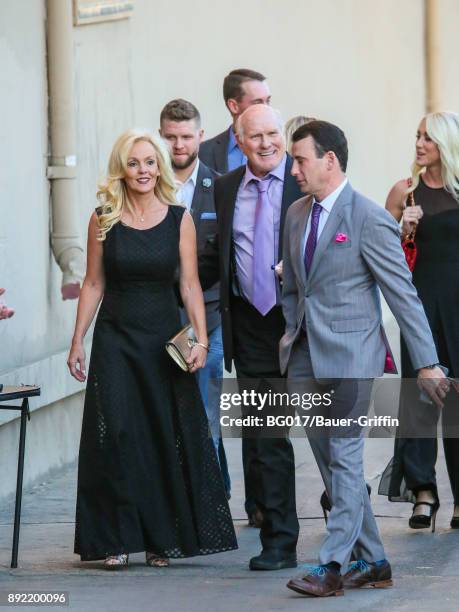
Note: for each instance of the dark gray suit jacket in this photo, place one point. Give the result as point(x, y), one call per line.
point(205, 220)
point(214, 152)
point(216, 261)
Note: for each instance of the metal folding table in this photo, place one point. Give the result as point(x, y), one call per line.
point(17, 393)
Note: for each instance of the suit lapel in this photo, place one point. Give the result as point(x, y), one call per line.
point(200, 194)
point(221, 151)
point(290, 194)
point(232, 186)
point(330, 228)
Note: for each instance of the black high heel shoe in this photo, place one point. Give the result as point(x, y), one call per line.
point(454, 521)
point(326, 505)
point(424, 521)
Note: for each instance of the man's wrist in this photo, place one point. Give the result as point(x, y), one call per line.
point(432, 366)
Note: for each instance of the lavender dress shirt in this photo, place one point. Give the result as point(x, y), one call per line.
point(244, 221)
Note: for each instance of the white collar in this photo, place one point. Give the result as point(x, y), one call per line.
point(328, 202)
point(192, 178)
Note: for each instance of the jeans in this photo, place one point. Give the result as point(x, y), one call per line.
point(209, 379)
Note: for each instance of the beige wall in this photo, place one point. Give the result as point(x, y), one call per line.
point(354, 62)
point(449, 53)
point(357, 63)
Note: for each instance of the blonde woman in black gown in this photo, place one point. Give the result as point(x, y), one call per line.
point(435, 187)
point(148, 477)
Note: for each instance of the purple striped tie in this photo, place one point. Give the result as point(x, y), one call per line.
point(264, 279)
point(312, 237)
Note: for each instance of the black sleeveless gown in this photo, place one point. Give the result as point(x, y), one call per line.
point(436, 278)
point(148, 477)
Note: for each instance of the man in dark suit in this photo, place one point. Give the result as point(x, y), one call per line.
point(241, 89)
point(180, 127)
point(251, 203)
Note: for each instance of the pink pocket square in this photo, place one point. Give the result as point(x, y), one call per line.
point(389, 365)
point(341, 238)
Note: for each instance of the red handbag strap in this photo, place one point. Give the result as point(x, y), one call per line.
point(410, 202)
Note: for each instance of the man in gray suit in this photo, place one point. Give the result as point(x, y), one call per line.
point(241, 89)
point(339, 247)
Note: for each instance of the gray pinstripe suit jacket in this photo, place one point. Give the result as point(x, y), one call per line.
point(340, 300)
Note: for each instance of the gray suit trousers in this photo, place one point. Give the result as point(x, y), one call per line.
point(351, 526)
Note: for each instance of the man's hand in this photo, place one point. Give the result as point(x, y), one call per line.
point(434, 383)
point(279, 269)
point(5, 312)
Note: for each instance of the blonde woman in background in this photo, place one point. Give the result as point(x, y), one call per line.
point(293, 124)
point(435, 187)
point(148, 477)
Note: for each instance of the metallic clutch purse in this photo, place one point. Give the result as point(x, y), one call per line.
point(179, 347)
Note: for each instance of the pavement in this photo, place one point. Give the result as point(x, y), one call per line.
point(425, 565)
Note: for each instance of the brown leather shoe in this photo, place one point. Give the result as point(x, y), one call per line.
point(363, 575)
point(319, 582)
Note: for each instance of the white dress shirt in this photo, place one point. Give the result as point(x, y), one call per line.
point(185, 191)
point(327, 204)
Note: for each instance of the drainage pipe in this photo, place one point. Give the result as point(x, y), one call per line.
point(65, 234)
point(432, 55)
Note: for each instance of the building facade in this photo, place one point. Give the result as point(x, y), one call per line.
point(356, 63)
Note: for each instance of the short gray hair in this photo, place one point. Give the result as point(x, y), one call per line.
point(240, 129)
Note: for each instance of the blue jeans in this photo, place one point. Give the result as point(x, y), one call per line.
point(208, 379)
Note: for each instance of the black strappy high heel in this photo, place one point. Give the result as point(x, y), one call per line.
point(326, 505)
point(424, 521)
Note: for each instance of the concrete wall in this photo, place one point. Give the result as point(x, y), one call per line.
point(52, 439)
point(354, 62)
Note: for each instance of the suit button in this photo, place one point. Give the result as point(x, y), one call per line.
point(226, 309)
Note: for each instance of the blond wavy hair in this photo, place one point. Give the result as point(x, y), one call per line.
point(112, 192)
point(291, 126)
point(443, 129)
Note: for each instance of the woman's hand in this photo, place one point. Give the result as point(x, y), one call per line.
point(410, 219)
point(197, 358)
point(5, 312)
point(76, 361)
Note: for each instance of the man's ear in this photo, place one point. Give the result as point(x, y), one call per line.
point(201, 135)
point(331, 159)
point(233, 106)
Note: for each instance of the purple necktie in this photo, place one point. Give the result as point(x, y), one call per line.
point(264, 279)
point(312, 237)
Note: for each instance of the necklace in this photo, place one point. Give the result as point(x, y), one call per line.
point(141, 216)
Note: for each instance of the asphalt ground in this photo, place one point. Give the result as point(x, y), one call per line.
point(425, 565)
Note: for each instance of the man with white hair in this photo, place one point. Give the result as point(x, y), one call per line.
point(251, 203)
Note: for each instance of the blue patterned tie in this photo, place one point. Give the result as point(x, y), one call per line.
point(311, 242)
